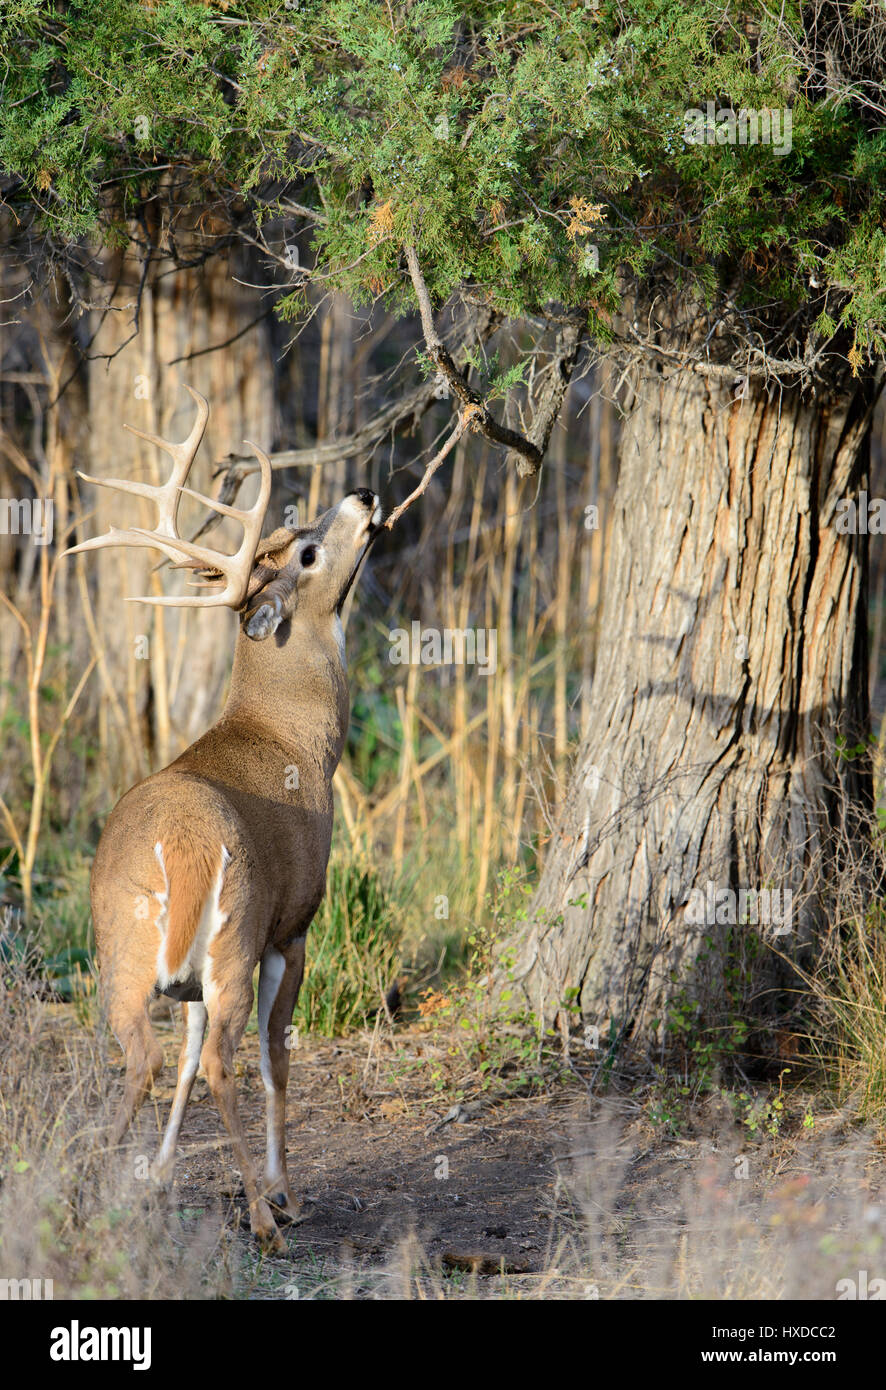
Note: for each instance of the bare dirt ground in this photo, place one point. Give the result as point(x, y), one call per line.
point(402, 1163)
point(374, 1159)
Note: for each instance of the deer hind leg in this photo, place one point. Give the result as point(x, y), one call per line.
point(144, 1061)
point(229, 1009)
point(279, 983)
point(194, 1015)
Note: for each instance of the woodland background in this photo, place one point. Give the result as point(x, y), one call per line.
point(450, 780)
point(255, 199)
point(449, 777)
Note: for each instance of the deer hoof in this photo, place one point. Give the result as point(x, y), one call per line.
point(271, 1241)
point(161, 1177)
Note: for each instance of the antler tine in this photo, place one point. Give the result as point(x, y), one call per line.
point(184, 452)
point(235, 568)
point(115, 536)
point(167, 496)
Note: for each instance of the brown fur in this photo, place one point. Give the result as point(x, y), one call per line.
point(286, 713)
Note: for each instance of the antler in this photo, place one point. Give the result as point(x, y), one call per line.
point(236, 568)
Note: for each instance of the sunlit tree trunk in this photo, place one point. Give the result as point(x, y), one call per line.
point(732, 651)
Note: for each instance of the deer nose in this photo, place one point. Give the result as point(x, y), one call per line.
point(367, 497)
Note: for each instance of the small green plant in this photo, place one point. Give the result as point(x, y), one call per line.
point(849, 753)
point(667, 1102)
point(697, 1048)
point(758, 1114)
point(353, 953)
point(497, 1034)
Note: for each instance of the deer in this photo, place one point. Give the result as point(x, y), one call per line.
point(217, 864)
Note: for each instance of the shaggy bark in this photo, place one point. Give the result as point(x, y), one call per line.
point(732, 649)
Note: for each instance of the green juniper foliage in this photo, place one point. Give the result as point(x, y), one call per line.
point(533, 153)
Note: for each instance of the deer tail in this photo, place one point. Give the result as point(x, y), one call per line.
point(193, 873)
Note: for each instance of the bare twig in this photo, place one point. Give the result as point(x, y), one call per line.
point(216, 347)
point(398, 415)
point(433, 465)
point(403, 413)
point(551, 397)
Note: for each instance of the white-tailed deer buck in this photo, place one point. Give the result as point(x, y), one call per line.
point(219, 861)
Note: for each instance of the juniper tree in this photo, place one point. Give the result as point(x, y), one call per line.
point(695, 190)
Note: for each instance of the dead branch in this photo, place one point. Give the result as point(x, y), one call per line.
point(552, 394)
point(479, 420)
point(433, 465)
point(402, 414)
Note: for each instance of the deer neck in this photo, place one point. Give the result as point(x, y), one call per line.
point(291, 690)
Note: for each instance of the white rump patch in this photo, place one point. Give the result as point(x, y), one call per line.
point(162, 898)
point(196, 963)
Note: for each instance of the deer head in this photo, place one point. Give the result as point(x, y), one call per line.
point(266, 582)
point(312, 568)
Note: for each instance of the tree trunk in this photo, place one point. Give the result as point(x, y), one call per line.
point(167, 669)
point(732, 652)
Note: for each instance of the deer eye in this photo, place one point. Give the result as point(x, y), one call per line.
point(308, 556)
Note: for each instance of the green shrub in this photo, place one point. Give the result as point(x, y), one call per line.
point(353, 951)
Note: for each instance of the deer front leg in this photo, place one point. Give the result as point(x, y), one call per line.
point(226, 1024)
point(279, 983)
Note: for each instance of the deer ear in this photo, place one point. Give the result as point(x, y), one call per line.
point(273, 605)
point(265, 620)
point(272, 589)
point(272, 555)
point(275, 546)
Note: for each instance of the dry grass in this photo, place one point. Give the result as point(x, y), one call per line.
point(847, 988)
point(800, 1240)
point(631, 1213)
point(70, 1211)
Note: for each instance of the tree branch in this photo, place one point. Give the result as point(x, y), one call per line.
point(477, 418)
point(433, 465)
point(551, 397)
point(399, 415)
